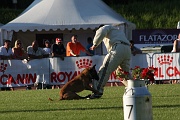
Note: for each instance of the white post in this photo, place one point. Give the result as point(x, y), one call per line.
point(43, 82)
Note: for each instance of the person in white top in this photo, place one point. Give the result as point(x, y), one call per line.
point(119, 55)
point(35, 52)
point(176, 45)
point(6, 51)
point(47, 47)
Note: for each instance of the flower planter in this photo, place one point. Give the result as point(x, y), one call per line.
point(136, 83)
point(137, 101)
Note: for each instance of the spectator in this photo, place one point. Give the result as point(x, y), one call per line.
point(176, 48)
point(74, 47)
point(58, 49)
point(6, 54)
point(6, 51)
point(90, 43)
point(176, 44)
point(35, 52)
point(134, 50)
point(47, 47)
point(18, 51)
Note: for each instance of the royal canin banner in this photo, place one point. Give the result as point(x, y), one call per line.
point(14, 73)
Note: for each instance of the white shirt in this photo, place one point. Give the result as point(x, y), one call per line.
point(109, 35)
point(5, 52)
point(47, 50)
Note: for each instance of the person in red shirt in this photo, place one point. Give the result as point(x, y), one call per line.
point(74, 47)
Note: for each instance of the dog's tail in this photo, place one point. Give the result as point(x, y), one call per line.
point(53, 100)
point(50, 99)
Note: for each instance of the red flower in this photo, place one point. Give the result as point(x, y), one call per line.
point(122, 74)
point(138, 73)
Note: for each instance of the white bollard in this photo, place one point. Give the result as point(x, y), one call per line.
point(137, 101)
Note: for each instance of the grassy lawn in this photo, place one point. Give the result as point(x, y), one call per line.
point(34, 105)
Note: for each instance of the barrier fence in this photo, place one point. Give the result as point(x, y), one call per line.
point(54, 71)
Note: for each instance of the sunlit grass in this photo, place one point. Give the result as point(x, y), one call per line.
point(34, 104)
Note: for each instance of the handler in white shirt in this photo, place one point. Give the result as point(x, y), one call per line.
point(119, 54)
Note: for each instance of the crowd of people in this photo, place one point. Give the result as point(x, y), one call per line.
point(33, 51)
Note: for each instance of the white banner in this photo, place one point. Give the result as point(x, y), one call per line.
point(55, 71)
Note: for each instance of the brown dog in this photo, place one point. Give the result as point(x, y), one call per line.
point(79, 83)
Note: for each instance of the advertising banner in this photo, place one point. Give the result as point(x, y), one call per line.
point(54, 71)
point(154, 37)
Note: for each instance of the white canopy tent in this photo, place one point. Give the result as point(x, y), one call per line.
point(63, 16)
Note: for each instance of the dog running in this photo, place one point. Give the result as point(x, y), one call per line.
point(78, 84)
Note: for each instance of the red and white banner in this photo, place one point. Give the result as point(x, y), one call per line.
point(168, 66)
point(55, 71)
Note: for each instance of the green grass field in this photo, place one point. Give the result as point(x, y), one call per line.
point(34, 105)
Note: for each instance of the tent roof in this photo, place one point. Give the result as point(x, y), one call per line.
point(65, 14)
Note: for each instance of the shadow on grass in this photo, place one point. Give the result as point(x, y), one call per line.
point(166, 106)
point(168, 96)
point(93, 108)
point(46, 110)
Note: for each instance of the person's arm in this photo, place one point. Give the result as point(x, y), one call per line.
point(136, 51)
point(175, 46)
point(35, 57)
point(87, 52)
point(100, 34)
point(3, 57)
point(72, 53)
point(82, 48)
point(93, 47)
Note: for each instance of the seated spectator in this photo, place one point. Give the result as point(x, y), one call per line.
point(90, 43)
point(58, 49)
point(35, 52)
point(47, 47)
point(134, 50)
point(74, 47)
point(6, 51)
point(18, 51)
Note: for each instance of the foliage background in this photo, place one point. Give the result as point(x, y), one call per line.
point(146, 14)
